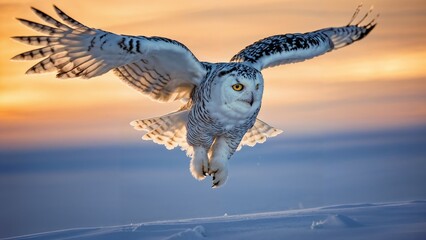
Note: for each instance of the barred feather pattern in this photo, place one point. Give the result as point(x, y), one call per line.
point(193, 124)
point(36, 40)
point(168, 130)
point(298, 47)
point(161, 68)
point(202, 127)
point(65, 48)
point(223, 99)
point(69, 19)
point(258, 134)
point(152, 82)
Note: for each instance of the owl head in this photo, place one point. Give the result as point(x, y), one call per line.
point(237, 90)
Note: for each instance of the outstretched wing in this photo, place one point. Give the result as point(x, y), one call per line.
point(162, 68)
point(291, 48)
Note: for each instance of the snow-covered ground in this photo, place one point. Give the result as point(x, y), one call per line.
point(281, 184)
point(400, 220)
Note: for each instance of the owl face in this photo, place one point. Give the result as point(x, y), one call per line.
point(238, 91)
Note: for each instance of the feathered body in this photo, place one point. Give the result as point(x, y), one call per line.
point(222, 100)
point(216, 118)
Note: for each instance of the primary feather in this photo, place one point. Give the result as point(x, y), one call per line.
point(161, 68)
point(298, 47)
point(222, 99)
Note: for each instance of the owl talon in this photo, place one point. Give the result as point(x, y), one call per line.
point(206, 168)
point(199, 164)
point(216, 185)
point(219, 172)
point(224, 98)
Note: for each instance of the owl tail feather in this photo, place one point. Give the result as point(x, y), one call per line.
point(168, 130)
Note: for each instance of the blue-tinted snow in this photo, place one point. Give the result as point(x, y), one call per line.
point(400, 220)
point(51, 189)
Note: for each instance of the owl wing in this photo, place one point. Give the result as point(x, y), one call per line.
point(161, 68)
point(258, 134)
point(168, 130)
point(298, 47)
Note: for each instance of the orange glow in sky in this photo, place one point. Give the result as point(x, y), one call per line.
point(378, 82)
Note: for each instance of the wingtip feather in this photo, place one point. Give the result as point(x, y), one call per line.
point(68, 19)
point(29, 72)
point(277, 132)
point(21, 20)
point(16, 58)
point(57, 10)
point(35, 9)
point(133, 123)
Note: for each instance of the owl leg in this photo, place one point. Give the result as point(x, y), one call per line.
point(199, 163)
point(221, 152)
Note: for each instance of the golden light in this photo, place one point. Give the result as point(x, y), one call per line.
point(377, 82)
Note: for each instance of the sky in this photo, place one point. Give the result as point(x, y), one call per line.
point(354, 120)
point(376, 83)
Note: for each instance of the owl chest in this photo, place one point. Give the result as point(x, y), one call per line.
point(225, 119)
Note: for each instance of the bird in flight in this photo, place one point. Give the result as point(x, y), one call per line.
point(221, 101)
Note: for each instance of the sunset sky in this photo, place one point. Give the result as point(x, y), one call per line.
point(377, 83)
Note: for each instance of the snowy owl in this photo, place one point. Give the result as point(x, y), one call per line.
point(221, 101)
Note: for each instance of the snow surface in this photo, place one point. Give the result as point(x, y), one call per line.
point(399, 220)
point(85, 188)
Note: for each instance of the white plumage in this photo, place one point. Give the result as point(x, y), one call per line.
point(222, 99)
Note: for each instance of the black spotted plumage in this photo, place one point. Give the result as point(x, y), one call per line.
point(296, 47)
point(215, 119)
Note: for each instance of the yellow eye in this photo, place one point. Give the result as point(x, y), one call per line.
point(238, 87)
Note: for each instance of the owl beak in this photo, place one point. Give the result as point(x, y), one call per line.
point(249, 101)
